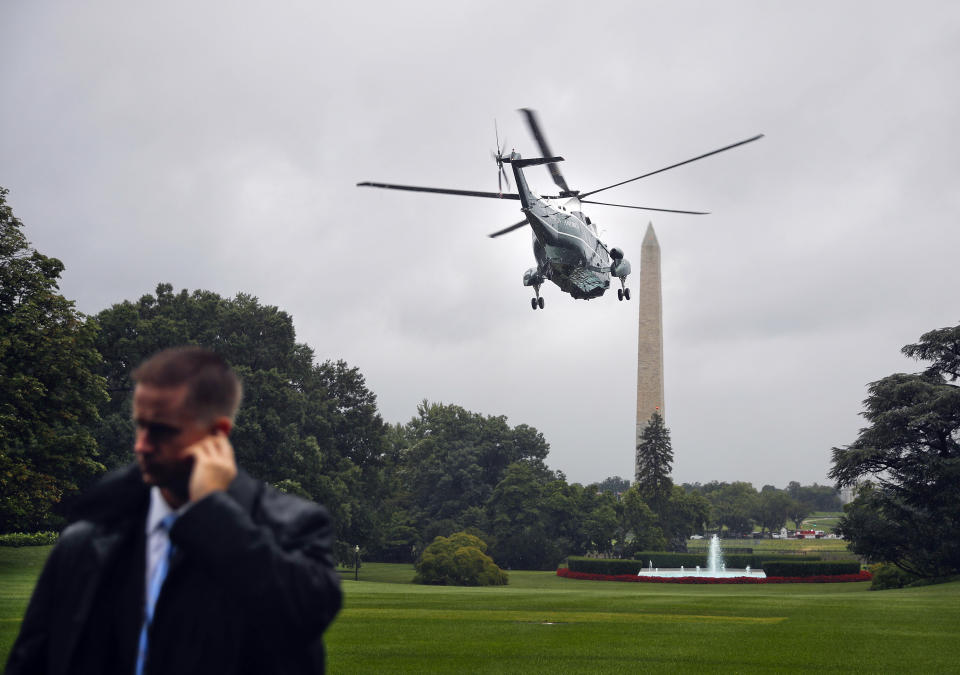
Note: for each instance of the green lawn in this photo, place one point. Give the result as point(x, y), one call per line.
point(19, 569)
point(541, 623)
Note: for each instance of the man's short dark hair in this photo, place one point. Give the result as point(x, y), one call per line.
point(213, 389)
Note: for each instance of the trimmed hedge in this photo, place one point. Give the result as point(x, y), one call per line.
point(863, 575)
point(28, 539)
point(810, 569)
point(676, 560)
point(759, 561)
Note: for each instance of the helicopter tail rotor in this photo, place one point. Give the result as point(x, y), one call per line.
point(499, 157)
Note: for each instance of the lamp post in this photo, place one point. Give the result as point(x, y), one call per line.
point(356, 562)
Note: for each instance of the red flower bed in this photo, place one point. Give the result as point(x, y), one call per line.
point(820, 579)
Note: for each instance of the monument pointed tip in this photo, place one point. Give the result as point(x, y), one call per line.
point(650, 238)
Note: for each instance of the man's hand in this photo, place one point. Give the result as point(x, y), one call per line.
point(214, 466)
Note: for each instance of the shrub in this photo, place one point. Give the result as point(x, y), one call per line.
point(886, 575)
point(810, 568)
point(28, 539)
point(458, 560)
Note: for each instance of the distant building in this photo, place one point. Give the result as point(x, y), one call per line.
point(848, 493)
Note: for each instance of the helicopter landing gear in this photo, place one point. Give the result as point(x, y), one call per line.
point(623, 292)
point(537, 301)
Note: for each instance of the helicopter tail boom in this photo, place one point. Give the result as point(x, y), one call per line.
point(533, 161)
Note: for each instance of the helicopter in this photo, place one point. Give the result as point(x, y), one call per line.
point(566, 246)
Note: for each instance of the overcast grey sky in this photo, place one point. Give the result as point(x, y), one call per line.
point(216, 145)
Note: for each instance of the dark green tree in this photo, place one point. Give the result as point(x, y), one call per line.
point(733, 506)
point(685, 513)
point(654, 463)
point(309, 428)
point(773, 508)
point(520, 521)
point(450, 460)
point(639, 525)
point(590, 524)
point(910, 455)
point(613, 484)
point(798, 510)
point(49, 389)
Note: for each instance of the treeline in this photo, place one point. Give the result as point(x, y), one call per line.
point(739, 508)
point(312, 428)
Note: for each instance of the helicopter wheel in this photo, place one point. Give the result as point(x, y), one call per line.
point(620, 294)
point(540, 302)
point(626, 293)
point(533, 303)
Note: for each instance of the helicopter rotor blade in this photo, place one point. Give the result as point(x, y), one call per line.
point(673, 166)
point(645, 208)
point(443, 191)
point(541, 140)
point(511, 228)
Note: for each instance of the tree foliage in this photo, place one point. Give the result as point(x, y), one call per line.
point(773, 508)
point(614, 484)
point(906, 463)
point(49, 389)
point(654, 462)
point(458, 560)
point(309, 428)
point(449, 460)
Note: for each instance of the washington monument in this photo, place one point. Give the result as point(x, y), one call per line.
point(650, 337)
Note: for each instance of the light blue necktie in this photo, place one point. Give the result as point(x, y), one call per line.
point(153, 592)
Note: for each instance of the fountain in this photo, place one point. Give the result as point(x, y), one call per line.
point(716, 567)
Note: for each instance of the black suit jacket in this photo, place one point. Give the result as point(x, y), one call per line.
point(251, 587)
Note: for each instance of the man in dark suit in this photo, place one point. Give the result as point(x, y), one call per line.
point(183, 563)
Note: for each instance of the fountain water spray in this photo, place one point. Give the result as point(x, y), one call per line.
point(715, 556)
point(715, 566)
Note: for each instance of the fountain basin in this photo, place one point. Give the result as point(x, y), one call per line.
point(707, 574)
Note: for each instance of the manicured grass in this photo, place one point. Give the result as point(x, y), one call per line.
point(544, 624)
point(19, 569)
point(541, 623)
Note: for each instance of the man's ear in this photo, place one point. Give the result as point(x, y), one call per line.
point(222, 425)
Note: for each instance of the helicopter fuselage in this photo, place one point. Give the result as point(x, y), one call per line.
point(565, 243)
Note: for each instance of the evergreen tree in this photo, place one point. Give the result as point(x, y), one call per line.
point(906, 465)
point(654, 463)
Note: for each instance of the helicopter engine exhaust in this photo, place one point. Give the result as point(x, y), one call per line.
point(620, 267)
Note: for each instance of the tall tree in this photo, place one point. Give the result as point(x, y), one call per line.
point(639, 525)
point(309, 428)
point(451, 459)
point(909, 454)
point(734, 505)
point(520, 522)
point(49, 389)
point(773, 508)
point(654, 463)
